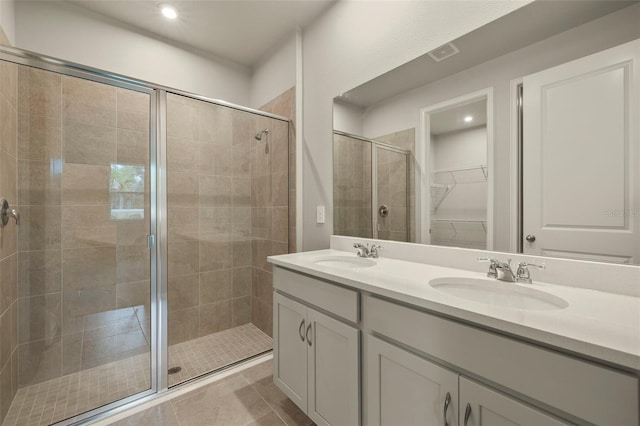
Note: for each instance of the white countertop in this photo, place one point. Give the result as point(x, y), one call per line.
point(597, 324)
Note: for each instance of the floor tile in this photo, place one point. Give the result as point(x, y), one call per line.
point(160, 415)
point(270, 419)
point(229, 402)
point(72, 394)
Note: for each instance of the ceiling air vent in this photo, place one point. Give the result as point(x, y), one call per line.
point(443, 52)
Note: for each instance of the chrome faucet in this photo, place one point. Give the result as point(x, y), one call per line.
point(499, 270)
point(503, 272)
point(367, 251)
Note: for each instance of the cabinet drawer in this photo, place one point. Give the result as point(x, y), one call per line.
point(588, 391)
point(330, 297)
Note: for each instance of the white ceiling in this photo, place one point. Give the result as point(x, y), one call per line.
point(529, 24)
point(243, 31)
point(452, 119)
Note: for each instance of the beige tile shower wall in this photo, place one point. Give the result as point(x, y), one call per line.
point(83, 275)
point(8, 237)
point(352, 187)
point(209, 217)
point(273, 169)
point(393, 169)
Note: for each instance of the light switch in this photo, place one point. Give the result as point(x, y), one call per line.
point(320, 214)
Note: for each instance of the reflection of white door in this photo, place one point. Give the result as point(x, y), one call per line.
point(581, 169)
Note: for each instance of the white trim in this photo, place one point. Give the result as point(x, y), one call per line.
point(374, 191)
point(514, 157)
point(299, 136)
point(422, 154)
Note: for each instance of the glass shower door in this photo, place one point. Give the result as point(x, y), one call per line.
point(352, 186)
point(391, 210)
point(81, 168)
point(227, 210)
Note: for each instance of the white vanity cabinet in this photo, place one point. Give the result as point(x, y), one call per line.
point(316, 356)
point(482, 406)
point(404, 389)
point(419, 367)
point(580, 391)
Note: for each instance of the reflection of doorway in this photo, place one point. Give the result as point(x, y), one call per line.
point(580, 143)
point(457, 194)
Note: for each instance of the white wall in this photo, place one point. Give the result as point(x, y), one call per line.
point(463, 148)
point(402, 111)
point(8, 19)
point(275, 74)
point(466, 148)
point(347, 118)
point(353, 42)
point(71, 33)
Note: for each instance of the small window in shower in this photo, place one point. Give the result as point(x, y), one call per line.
point(127, 192)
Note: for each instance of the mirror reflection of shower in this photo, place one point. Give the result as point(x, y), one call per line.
point(259, 135)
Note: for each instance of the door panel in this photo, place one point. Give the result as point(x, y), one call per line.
point(290, 349)
point(333, 371)
point(580, 145)
point(404, 389)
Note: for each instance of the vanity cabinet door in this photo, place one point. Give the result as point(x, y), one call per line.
point(481, 406)
point(333, 371)
point(404, 389)
point(290, 349)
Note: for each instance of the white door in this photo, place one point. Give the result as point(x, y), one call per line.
point(333, 371)
point(481, 406)
point(581, 168)
point(406, 390)
point(290, 349)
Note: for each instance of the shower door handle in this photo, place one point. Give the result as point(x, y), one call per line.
point(6, 212)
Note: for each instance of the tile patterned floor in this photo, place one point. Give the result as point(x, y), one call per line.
point(247, 398)
point(199, 356)
point(58, 399)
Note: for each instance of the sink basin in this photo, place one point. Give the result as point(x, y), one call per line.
point(343, 262)
point(499, 293)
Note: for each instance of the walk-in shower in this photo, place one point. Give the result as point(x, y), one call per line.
point(146, 216)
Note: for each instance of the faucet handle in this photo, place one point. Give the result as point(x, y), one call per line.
point(493, 272)
point(525, 264)
point(523, 275)
point(373, 251)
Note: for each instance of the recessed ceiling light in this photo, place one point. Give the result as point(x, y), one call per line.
point(169, 12)
point(468, 119)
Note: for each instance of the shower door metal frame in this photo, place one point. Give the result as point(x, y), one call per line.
point(158, 221)
point(29, 59)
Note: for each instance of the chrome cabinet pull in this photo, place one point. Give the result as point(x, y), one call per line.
point(467, 414)
point(447, 401)
point(301, 330)
point(530, 238)
point(307, 334)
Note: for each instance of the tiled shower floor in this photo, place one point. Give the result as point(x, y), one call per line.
point(52, 401)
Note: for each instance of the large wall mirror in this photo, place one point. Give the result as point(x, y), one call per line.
point(521, 136)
